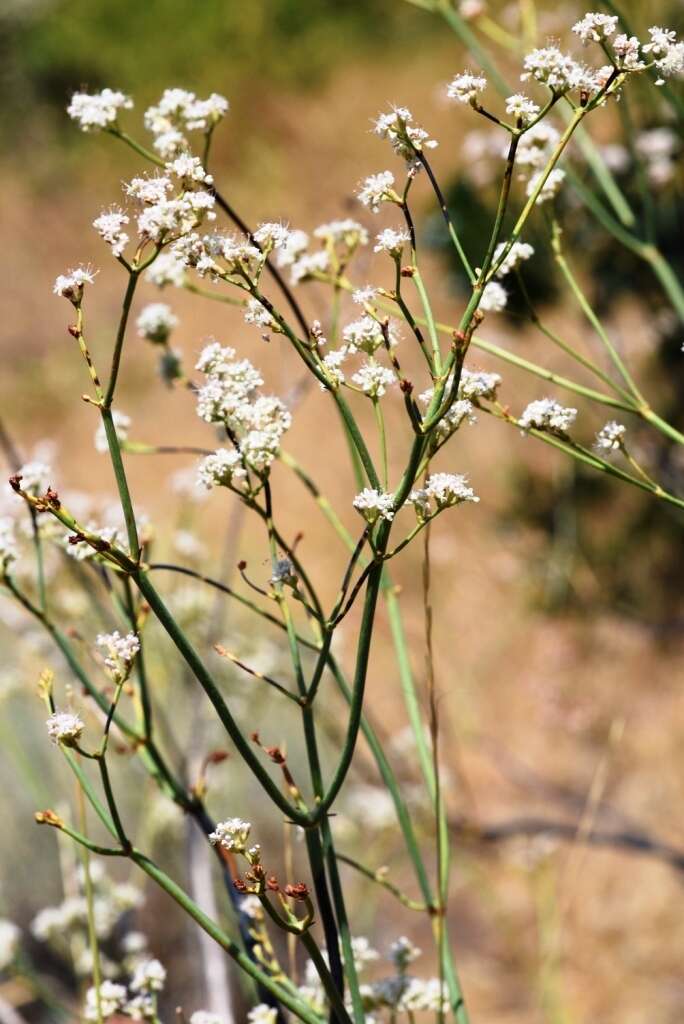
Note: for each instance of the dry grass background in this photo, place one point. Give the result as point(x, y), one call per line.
point(569, 719)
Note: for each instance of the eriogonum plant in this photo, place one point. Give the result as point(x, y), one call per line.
point(176, 229)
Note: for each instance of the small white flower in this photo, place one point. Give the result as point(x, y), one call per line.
point(204, 1017)
point(374, 505)
point(404, 136)
point(220, 469)
point(70, 285)
point(610, 438)
point(332, 365)
point(9, 943)
point(547, 414)
point(231, 835)
point(494, 298)
point(309, 266)
point(294, 247)
point(156, 321)
point(166, 269)
point(64, 727)
point(374, 379)
point(121, 650)
point(517, 254)
point(593, 28)
point(366, 335)
point(99, 110)
point(424, 995)
point(552, 68)
point(109, 226)
point(35, 477)
point(403, 952)
point(551, 186)
point(392, 242)
point(262, 1014)
point(188, 168)
point(365, 295)
point(272, 235)
point(478, 384)
point(667, 51)
point(347, 233)
point(149, 976)
point(627, 50)
point(466, 87)
point(256, 313)
point(521, 108)
point(112, 999)
point(377, 189)
point(148, 190)
point(251, 907)
point(121, 424)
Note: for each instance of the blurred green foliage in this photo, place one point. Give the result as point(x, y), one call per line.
point(49, 48)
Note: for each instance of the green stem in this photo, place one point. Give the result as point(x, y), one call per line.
point(189, 654)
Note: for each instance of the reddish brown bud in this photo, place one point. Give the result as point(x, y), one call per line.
point(74, 330)
point(276, 755)
point(406, 386)
point(242, 565)
point(15, 481)
point(217, 757)
point(239, 885)
point(272, 884)
point(298, 891)
point(408, 271)
point(52, 498)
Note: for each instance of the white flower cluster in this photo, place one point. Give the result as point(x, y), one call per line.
point(476, 384)
point(373, 379)
point(231, 835)
point(230, 396)
point(109, 225)
point(666, 51)
point(121, 422)
point(120, 650)
point(156, 321)
point(366, 335)
point(392, 242)
point(112, 999)
point(374, 505)
point(64, 727)
point(547, 414)
point(256, 313)
point(558, 71)
point(179, 111)
point(262, 1014)
point(96, 111)
point(9, 942)
point(466, 87)
point(166, 270)
point(205, 1017)
point(521, 108)
point(494, 298)
point(594, 28)
point(138, 1001)
point(65, 927)
point(610, 438)
point(550, 187)
point(377, 189)
point(518, 253)
point(405, 137)
point(445, 489)
point(70, 285)
point(220, 469)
